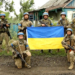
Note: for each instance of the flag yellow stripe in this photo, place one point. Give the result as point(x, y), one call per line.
point(45, 43)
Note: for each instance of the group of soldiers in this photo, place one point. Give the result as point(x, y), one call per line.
point(21, 44)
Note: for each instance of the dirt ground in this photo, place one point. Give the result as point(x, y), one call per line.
point(40, 66)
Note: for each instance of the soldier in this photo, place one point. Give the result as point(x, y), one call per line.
point(24, 24)
point(64, 22)
point(45, 22)
point(69, 39)
point(73, 25)
point(20, 45)
point(4, 31)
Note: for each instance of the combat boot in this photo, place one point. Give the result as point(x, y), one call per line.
point(28, 66)
point(71, 66)
point(50, 51)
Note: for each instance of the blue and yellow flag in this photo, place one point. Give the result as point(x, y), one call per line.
point(45, 37)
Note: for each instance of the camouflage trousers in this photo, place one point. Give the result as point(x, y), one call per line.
point(6, 37)
point(70, 55)
point(27, 57)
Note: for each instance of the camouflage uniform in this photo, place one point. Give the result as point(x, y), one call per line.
point(3, 34)
point(24, 23)
point(48, 22)
point(65, 23)
point(73, 25)
point(20, 46)
point(70, 40)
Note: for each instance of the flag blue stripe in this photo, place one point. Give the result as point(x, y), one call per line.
point(45, 32)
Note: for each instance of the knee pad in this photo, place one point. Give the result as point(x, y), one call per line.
point(29, 54)
point(72, 53)
point(18, 64)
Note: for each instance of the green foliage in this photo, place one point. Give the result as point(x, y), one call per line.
point(7, 15)
point(38, 53)
point(0, 3)
point(8, 5)
point(20, 15)
point(16, 14)
point(47, 54)
point(5, 53)
point(53, 21)
point(25, 7)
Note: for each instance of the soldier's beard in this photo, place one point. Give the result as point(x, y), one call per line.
point(25, 19)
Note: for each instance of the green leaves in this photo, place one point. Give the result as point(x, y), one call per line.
point(7, 5)
point(26, 6)
point(0, 3)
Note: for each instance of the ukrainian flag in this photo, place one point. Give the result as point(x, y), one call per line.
point(45, 37)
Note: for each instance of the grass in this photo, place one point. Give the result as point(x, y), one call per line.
point(35, 52)
point(38, 53)
point(47, 54)
point(4, 53)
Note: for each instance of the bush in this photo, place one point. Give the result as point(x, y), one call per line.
point(53, 21)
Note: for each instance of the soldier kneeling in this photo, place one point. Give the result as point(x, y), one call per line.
point(69, 40)
point(21, 45)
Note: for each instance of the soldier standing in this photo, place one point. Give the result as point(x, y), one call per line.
point(45, 22)
point(69, 39)
point(73, 25)
point(4, 31)
point(24, 24)
point(64, 22)
point(22, 47)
